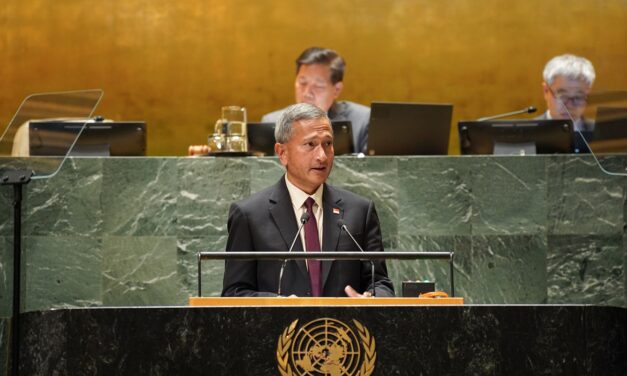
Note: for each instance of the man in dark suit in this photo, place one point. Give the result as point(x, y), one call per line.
point(319, 81)
point(567, 82)
point(268, 221)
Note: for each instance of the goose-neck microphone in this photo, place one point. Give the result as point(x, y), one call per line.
point(342, 225)
point(303, 219)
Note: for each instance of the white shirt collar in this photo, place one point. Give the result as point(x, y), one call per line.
point(298, 196)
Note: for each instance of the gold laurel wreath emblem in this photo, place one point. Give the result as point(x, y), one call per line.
point(282, 349)
point(367, 341)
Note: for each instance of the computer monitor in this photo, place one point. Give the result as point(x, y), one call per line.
point(611, 123)
point(342, 137)
point(516, 137)
point(409, 128)
point(261, 138)
point(119, 138)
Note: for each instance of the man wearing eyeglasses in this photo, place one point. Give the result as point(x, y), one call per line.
point(567, 83)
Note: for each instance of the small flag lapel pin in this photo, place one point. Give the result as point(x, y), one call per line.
point(336, 210)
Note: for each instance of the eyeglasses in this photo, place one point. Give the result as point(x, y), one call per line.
point(574, 100)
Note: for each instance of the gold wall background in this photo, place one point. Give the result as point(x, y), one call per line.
point(175, 63)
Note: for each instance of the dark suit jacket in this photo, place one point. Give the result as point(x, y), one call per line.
point(266, 222)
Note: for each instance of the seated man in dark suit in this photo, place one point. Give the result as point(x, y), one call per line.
point(319, 81)
point(567, 83)
point(269, 220)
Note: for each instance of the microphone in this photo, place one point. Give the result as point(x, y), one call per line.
point(303, 219)
point(528, 110)
point(342, 225)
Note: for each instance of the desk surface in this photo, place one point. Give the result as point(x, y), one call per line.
point(253, 301)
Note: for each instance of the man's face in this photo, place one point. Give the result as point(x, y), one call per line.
point(313, 85)
point(308, 155)
point(566, 95)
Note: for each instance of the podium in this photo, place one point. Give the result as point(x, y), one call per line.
point(261, 339)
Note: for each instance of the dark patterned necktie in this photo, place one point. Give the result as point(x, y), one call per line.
point(312, 244)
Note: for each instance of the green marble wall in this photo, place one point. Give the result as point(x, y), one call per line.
point(124, 231)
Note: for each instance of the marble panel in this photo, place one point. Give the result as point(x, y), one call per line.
point(508, 269)
point(495, 212)
point(264, 172)
point(61, 271)
point(212, 271)
point(374, 178)
point(6, 210)
point(508, 195)
point(4, 345)
point(207, 187)
point(586, 269)
point(606, 331)
point(141, 199)
point(66, 204)
point(437, 271)
point(612, 164)
point(6, 276)
point(435, 196)
point(49, 352)
point(141, 271)
point(582, 199)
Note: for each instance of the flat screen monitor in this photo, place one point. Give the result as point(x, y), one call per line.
point(409, 128)
point(118, 138)
point(611, 123)
point(516, 137)
point(261, 138)
point(342, 137)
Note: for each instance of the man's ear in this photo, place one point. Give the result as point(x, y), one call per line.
point(338, 88)
point(546, 92)
point(281, 151)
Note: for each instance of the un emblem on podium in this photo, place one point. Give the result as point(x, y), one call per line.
point(326, 347)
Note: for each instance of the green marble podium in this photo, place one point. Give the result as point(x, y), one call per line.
point(125, 231)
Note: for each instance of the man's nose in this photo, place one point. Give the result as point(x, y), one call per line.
point(309, 91)
point(321, 153)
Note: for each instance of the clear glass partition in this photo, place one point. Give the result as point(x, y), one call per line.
point(600, 124)
point(16, 141)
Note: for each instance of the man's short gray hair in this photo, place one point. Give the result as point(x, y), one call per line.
point(292, 114)
point(569, 66)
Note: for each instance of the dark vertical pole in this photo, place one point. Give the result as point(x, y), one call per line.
point(451, 266)
point(17, 262)
point(199, 276)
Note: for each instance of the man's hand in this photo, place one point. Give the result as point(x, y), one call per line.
point(354, 294)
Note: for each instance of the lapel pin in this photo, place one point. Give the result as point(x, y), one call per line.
point(336, 210)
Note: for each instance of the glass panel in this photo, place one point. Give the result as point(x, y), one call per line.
point(16, 151)
point(603, 130)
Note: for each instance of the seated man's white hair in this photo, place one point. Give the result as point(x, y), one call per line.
point(569, 66)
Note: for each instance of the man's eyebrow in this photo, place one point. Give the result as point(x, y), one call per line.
point(314, 137)
point(308, 139)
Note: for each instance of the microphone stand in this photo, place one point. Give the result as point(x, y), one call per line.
point(374, 289)
point(16, 178)
point(527, 110)
point(303, 219)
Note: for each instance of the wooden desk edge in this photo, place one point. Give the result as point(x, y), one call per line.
point(231, 302)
